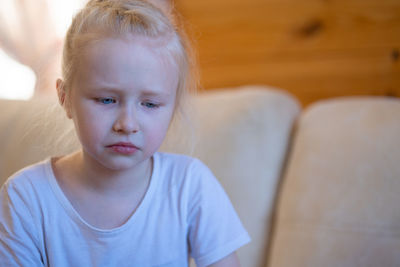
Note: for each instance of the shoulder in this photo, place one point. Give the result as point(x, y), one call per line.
point(182, 167)
point(174, 160)
point(189, 174)
point(179, 161)
point(20, 216)
point(28, 179)
point(186, 176)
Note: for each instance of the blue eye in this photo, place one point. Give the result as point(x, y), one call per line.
point(106, 101)
point(150, 105)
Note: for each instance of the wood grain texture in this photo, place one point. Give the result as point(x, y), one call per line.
point(314, 49)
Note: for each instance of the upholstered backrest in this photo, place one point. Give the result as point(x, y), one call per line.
point(242, 134)
point(31, 131)
point(339, 200)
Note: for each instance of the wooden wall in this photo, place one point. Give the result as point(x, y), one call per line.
point(314, 49)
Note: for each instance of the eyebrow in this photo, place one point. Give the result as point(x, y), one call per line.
point(155, 93)
point(145, 91)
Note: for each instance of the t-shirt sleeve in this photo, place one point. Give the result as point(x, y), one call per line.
point(215, 230)
point(18, 233)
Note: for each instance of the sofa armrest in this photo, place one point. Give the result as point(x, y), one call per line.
point(339, 198)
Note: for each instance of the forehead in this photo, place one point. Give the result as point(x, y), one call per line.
point(101, 45)
point(123, 61)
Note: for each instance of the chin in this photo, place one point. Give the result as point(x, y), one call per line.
point(120, 165)
point(115, 163)
point(123, 163)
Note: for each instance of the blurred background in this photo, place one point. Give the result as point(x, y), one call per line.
point(314, 49)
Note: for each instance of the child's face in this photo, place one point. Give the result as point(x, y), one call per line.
point(122, 100)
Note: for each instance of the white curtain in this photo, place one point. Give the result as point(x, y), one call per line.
point(31, 32)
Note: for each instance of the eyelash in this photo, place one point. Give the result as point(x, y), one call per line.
point(150, 105)
point(103, 100)
point(110, 100)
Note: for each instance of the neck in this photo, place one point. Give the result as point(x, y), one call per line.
point(97, 177)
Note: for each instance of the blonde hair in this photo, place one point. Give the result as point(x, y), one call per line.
point(117, 18)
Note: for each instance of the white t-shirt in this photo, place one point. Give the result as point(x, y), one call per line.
point(185, 212)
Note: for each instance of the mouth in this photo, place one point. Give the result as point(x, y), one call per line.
point(123, 148)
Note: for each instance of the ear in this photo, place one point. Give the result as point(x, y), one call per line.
point(62, 97)
point(60, 91)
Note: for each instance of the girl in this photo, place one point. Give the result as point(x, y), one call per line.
point(118, 202)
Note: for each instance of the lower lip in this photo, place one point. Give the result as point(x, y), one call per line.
point(126, 150)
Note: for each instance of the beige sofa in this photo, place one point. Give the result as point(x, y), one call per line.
point(314, 187)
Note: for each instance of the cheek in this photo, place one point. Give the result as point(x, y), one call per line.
point(90, 128)
point(158, 131)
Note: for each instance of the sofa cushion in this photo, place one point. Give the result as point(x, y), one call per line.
point(242, 134)
point(31, 131)
point(339, 198)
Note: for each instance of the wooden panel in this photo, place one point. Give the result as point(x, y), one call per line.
point(313, 48)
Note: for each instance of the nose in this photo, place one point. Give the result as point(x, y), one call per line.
point(126, 121)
